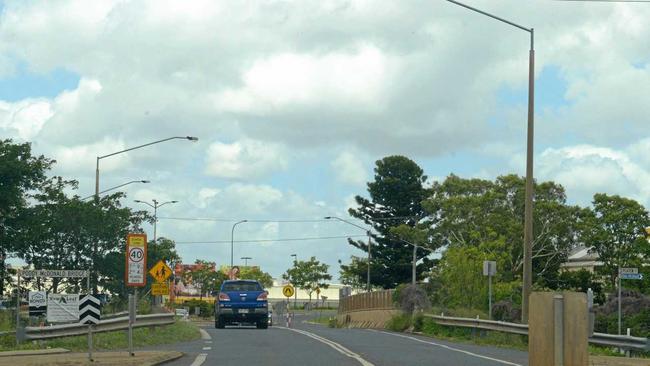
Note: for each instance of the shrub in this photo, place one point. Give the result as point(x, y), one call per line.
point(399, 323)
point(418, 322)
point(411, 298)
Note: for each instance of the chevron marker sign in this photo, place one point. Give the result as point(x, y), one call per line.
point(89, 310)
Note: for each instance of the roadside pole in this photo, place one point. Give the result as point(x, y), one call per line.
point(18, 308)
point(619, 300)
point(90, 326)
point(131, 321)
point(489, 270)
point(490, 297)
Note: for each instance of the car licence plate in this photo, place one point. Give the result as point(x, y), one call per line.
point(244, 311)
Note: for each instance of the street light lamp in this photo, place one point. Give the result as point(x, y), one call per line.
point(232, 241)
point(246, 260)
point(156, 205)
point(369, 243)
point(528, 210)
point(189, 138)
point(116, 187)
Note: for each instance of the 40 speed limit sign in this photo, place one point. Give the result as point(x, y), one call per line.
point(136, 260)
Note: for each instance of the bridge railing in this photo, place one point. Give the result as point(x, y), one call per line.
point(376, 300)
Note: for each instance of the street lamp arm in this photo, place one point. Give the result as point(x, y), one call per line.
point(166, 203)
point(116, 187)
point(191, 138)
point(529, 30)
point(146, 203)
point(347, 222)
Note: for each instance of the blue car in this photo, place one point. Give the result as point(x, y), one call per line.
point(241, 302)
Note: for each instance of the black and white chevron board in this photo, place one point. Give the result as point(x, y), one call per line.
point(89, 310)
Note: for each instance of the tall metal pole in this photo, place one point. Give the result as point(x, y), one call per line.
point(490, 295)
point(369, 261)
point(528, 215)
point(17, 306)
point(295, 289)
point(528, 210)
point(232, 242)
point(619, 300)
point(97, 180)
point(155, 219)
point(413, 269)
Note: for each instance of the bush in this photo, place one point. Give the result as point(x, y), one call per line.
point(399, 323)
point(506, 311)
point(206, 308)
point(411, 298)
point(418, 322)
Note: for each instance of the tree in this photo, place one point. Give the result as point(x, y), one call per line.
point(489, 214)
point(308, 275)
point(616, 232)
point(254, 273)
point(204, 277)
point(353, 274)
point(396, 195)
point(20, 173)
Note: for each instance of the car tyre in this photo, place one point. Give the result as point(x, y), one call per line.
point(262, 324)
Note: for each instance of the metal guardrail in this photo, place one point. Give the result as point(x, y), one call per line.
point(601, 339)
point(121, 323)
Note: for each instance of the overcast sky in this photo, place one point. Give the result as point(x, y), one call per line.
point(294, 101)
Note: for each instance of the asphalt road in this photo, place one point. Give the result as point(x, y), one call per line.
point(315, 345)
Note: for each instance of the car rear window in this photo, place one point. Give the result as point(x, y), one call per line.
point(242, 286)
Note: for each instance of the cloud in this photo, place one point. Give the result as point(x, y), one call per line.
point(245, 159)
point(350, 169)
point(24, 119)
point(585, 170)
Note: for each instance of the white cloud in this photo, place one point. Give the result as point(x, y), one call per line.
point(585, 170)
point(245, 159)
point(24, 119)
point(348, 168)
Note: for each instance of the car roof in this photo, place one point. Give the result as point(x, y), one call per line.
point(226, 281)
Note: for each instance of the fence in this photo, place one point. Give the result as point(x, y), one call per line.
point(377, 300)
point(121, 323)
point(601, 339)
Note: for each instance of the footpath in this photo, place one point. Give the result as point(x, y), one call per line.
point(62, 357)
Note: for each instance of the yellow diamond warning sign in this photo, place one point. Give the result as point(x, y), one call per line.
point(160, 272)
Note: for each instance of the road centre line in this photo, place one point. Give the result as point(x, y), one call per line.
point(200, 359)
point(339, 348)
point(448, 347)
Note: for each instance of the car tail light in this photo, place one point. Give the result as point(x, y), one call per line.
point(262, 296)
point(223, 297)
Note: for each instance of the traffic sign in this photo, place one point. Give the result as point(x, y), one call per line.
point(160, 288)
point(37, 303)
point(136, 260)
point(89, 310)
point(631, 276)
point(62, 308)
point(161, 271)
point(489, 268)
point(288, 290)
point(629, 270)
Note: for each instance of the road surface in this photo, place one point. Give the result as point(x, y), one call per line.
point(316, 345)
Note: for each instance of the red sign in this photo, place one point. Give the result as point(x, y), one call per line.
point(136, 260)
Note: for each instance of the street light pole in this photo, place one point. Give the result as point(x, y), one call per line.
point(246, 260)
point(116, 187)
point(189, 138)
point(295, 290)
point(369, 244)
point(232, 242)
point(155, 207)
point(528, 210)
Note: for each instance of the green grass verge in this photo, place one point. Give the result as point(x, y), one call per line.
point(178, 332)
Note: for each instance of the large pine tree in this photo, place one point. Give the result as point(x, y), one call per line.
point(396, 195)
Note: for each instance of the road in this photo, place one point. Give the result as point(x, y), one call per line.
point(316, 345)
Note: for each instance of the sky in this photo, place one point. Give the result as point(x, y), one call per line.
point(294, 101)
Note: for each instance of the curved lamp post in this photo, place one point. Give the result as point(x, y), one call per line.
point(369, 243)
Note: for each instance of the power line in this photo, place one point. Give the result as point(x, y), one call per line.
point(271, 240)
point(279, 220)
point(608, 1)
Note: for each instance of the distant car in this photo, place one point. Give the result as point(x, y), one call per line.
point(183, 313)
point(241, 302)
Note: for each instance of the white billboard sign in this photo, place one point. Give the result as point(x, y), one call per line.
point(62, 308)
point(67, 273)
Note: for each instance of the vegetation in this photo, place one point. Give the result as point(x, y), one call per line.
point(254, 273)
point(308, 275)
point(205, 278)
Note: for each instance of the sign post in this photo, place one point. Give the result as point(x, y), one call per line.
point(489, 270)
point(136, 267)
point(625, 274)
point(288, 291)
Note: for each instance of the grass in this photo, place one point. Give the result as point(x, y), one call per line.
point(178, 332)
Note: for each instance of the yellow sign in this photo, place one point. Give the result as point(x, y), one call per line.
point(317, 290)
point(160, 272)
point(160, 289)
point(287, 290)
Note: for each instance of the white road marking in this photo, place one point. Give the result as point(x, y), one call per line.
point(204, 334)
point(332, 344)
point(208, 342)
point(207, 348)
point(449, 348)
point(200, 359)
